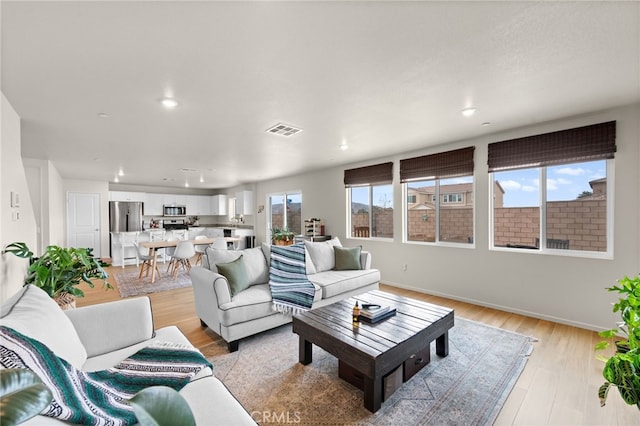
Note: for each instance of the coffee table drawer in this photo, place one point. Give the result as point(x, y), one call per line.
point(390, 383)
point(416, 362)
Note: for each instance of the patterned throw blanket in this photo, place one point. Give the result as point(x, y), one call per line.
point(100, 397)
point(291, 291)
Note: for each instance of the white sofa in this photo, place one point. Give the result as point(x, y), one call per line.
point(251, 311)
point(100, 336)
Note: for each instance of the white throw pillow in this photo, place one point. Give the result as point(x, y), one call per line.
point(33, 313)
point(215, 256)
point(256, 266)
point(321, 254)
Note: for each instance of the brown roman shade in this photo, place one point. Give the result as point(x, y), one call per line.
point(458, 162)
point(379, 174)
point(588, 143)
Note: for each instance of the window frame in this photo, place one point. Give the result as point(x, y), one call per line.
point(284, 195)
point(349, 228)
point(438, 197)
point(542, 204)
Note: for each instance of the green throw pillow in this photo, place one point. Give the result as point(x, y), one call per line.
point(236, 274)
point(347, 258)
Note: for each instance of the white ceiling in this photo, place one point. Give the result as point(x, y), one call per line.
point(383, 77)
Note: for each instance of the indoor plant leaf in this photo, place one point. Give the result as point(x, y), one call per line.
point(161, 405)
point(22, 395)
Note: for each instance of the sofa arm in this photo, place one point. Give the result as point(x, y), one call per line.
point(205, 280)
point(107, 327)
point(365, 259)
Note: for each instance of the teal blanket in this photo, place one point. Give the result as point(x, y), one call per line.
point(291, 291)
point(100, 397)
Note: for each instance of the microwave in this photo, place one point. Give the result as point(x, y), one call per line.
point(174, 210)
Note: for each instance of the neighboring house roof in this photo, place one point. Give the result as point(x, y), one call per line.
point(445, 189)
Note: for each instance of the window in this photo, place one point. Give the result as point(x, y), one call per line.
point(558, 198)
point(285, 211)
point(411, 199)
point(452, 198)
point(447, 177)
point(370, 201)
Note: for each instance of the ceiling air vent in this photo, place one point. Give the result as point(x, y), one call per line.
point(283, 130)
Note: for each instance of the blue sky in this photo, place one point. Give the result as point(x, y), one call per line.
point(521, 187)
point(564, 182)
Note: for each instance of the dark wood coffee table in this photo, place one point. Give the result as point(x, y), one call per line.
point(377, 349)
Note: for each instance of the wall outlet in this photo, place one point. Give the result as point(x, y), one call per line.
point(15, 215)
point(404, 268)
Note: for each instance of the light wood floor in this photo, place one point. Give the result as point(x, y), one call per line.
point(558, 386)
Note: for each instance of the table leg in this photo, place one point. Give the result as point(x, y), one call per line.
point(305, 351)
point(154, 261)
point(372, 394)
point(442, 344)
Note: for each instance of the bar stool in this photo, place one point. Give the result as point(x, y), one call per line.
point(159, 235)
point(127, 240)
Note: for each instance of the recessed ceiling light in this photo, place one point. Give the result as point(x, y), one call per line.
point(121, 172)
point(344, 147)
point(186, 184)
point(468, 112)
point(201, 179)
point(169, 103)
point(103, 115)
point(116, 180)
point(486, 123)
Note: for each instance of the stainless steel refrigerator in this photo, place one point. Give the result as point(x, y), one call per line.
point(125, 216)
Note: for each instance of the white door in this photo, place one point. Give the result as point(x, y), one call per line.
point(83, 221)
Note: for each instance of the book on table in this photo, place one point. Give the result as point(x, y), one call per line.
point(375, 313)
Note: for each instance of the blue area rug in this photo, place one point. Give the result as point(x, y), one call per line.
point(468, 387)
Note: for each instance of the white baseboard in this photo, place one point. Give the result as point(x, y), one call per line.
point(509, 309)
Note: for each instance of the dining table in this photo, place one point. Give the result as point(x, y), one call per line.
point(154, 246)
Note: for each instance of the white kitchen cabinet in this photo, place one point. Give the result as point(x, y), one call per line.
point(175, 200)
point(244, 202)
point(153, 204)
point(219, 205)
point(199, 205)
point(126, 196)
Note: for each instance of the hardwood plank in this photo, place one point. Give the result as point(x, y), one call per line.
point(543, 395)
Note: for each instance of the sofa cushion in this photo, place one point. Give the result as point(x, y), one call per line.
point(321, 254)
point(236, 275)
point(347, 258)
point(336, 282)
point(33, 313)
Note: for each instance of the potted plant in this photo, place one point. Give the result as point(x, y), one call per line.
point(282, 236)
point(60, 270)
point(622, 370)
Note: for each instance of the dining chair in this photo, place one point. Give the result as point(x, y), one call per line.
point(181, 257)
point(176, 235)
point(200, 249)
point(127, 240)
point(220, 243)
point(147, 260)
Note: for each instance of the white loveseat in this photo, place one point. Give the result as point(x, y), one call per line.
point(251, 310)
point(100, 336)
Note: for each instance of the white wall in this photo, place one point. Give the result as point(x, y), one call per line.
point(47, 195)
point(559, 288)
point(13, 179)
